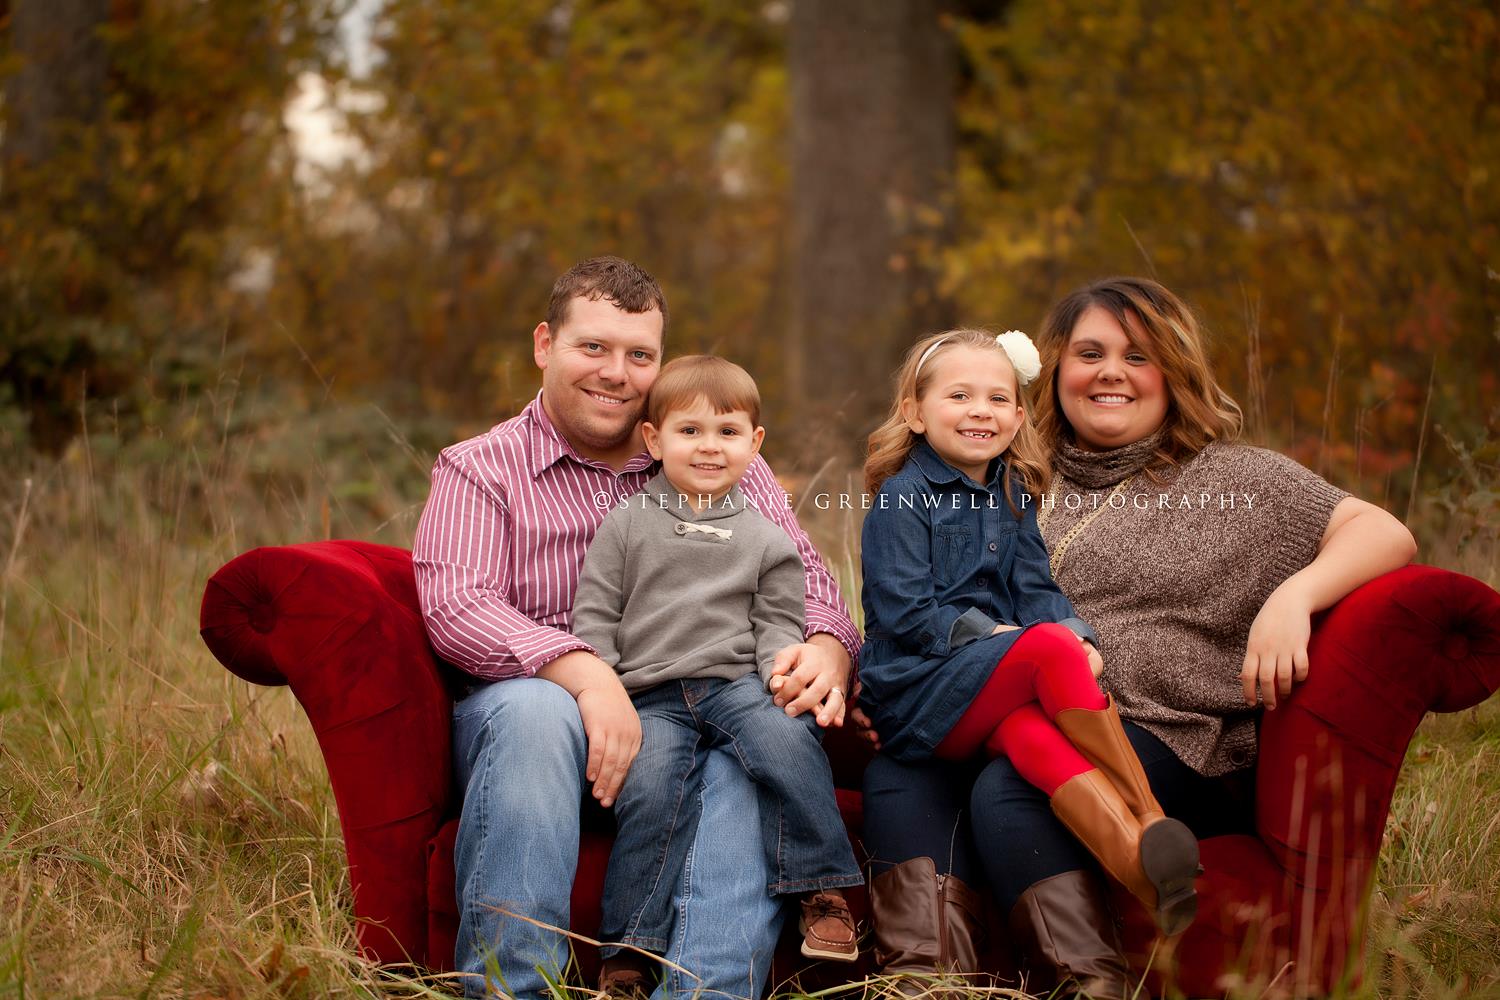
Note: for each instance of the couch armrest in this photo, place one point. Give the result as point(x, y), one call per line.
point(339, 623)
point(1416, 640)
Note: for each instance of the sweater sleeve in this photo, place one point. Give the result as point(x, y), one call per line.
point(1300, 501)
point(826, 611)
point(779, 606)
point(600, 602)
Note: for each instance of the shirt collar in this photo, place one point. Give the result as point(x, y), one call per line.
point(938, 471)
point(548, 445)
point(680, 506)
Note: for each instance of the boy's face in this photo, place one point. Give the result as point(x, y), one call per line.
point(703, 452)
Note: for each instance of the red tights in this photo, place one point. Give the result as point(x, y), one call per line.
point(1044, 672)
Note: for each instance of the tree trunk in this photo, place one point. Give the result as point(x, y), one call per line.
point(61, 78)
point(873, 136)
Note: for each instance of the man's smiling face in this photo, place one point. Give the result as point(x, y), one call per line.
point(596, 369)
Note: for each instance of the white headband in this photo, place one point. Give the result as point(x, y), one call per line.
point(1017, 347)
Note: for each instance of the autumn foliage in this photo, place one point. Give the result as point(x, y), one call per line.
point(1318, 179)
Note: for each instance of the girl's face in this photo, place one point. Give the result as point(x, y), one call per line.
point(971, 409)
point(1110, 388)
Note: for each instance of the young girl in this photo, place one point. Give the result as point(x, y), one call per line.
point(969, 643)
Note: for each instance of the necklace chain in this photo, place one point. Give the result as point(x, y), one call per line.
point(1045, 514)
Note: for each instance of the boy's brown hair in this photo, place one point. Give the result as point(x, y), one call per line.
point(725, 385)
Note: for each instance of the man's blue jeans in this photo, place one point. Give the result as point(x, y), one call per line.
point(519, 753)
point(657, 810)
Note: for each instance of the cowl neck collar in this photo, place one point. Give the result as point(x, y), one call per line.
point(680, 505)
point(1097, 469)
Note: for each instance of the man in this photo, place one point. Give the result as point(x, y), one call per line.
point(497, 558)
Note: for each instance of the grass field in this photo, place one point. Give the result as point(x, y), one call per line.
point(167, 830)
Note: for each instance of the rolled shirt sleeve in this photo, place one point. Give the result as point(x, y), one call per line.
point(463, 574)
point(971, 626)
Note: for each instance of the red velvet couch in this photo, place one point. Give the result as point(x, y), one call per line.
point(339, 622)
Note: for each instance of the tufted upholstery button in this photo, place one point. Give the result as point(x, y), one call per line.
point(262, 616)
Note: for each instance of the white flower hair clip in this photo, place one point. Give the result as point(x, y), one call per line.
point(1017, 347)
point(1022, 353)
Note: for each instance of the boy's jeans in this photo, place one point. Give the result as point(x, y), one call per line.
point(658, 808)
point(519, 752)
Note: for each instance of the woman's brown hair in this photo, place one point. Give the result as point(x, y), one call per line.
point(893, 440)
point(1198, 410)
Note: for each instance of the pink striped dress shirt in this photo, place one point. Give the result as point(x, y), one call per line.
point(501, 543)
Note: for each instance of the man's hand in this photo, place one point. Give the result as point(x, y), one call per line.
point(812, 674)
point(614, 733)
point(610, 723)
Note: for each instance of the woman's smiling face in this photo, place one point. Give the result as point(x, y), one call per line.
point(1110, 388)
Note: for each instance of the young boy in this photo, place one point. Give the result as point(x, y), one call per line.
point(690, 594)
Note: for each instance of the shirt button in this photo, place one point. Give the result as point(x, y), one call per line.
point(980, 581)
point(1238, 757)
point(992, 546)
point(681, 528)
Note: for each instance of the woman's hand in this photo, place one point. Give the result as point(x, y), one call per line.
point(1096, 662)
point(864, 727)
point(1276, 653)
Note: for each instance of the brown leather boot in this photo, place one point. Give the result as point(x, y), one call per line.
point(1067, 940)
point(1100, 736)
point(1169, 851)
point(926, 924)
point(1157, 866)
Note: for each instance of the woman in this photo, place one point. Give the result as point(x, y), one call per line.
point(1199, 562)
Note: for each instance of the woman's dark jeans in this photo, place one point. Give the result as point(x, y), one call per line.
point(985, 824)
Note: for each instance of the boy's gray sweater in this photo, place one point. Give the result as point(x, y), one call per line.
point(668, 592)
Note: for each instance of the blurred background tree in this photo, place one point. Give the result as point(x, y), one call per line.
point(816, 183)
point(1318, 179)
point(144, 149)
point(873, 142)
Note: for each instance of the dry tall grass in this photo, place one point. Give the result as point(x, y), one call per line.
point(168, 830)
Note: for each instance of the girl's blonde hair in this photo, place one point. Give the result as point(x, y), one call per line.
point(893, 440)
point(1198, 410)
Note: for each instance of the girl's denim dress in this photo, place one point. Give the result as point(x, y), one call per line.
point(946, 560)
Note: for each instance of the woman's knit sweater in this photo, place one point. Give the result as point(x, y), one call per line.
point(1171, 572)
